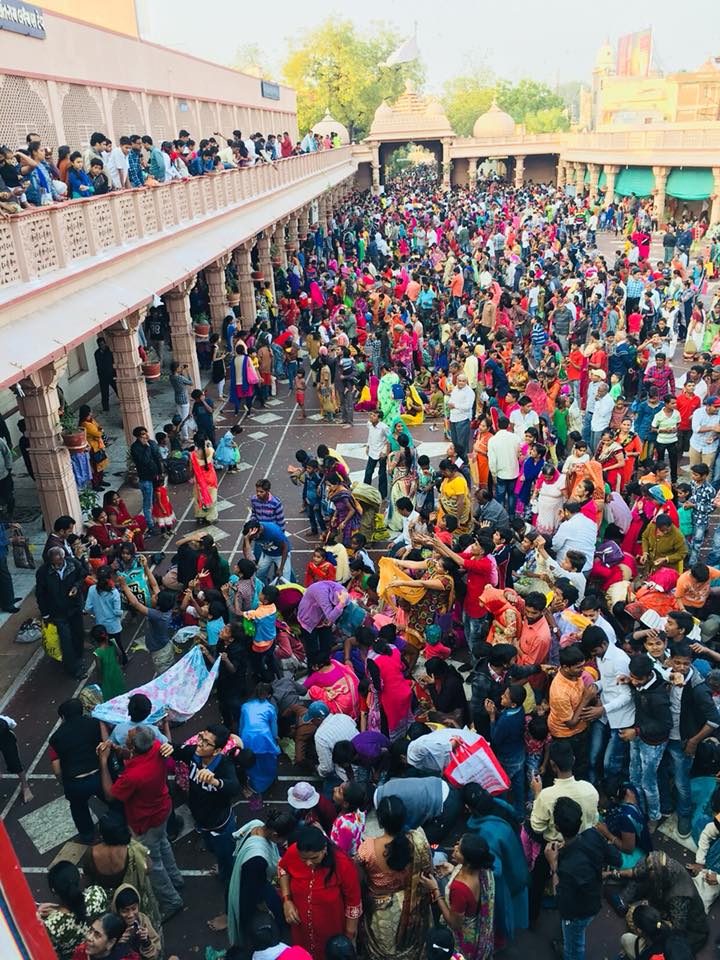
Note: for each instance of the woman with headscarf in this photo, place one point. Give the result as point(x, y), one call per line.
point(529, 473)
point(550, 494)
point(624, 824)
point(611, 457)
point(402, 473)
point(390, 394)
point(494, 820)
point(506, 608)
point(346, 515)
point(205, 482)
point(99, 461)
point(243, 379)
point(668, 887)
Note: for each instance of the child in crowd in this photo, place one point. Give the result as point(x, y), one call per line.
point(702, 502)
point(161, 439)
point(507, 736)
point(425, 496)
point(319, 568)
point(300, 392)
point(228, 453)
point(312, 496)
point(99, 178)
point(537, 742)
point(358, 548)
point(107, 659)
point(263, 617)
point(140, 935)
point(685, 510)
point(162, 511)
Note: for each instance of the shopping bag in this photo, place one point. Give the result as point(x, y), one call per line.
point(22, 555)
point(476, 763)
point(51, 640)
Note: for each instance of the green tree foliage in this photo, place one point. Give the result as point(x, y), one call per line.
point(547, 121)
point(336, 68)
point(466, 98)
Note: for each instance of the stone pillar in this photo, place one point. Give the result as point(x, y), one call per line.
point(177, 302)
point(217, 298)
point(304, 223)
point(280, 243)
point(243, 266)
point(661, 175)
point(293, 242)
point(611, 171)
point(265, 261)
point(38, 405)
point(579, 179)
point(122, 338)
point(715, 207)
point(375, 167)
point(472, 173)
point(446, 165)
point(519, 171)
point(323, 213)
point(594, 170)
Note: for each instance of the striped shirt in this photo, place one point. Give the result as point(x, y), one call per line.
point(268, 511)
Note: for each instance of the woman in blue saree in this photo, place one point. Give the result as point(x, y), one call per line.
point(495, 821)
point(624, 824)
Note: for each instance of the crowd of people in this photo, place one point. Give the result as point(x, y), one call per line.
point(36, 175)
point(492, 718)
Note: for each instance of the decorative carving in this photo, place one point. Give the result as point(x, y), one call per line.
point(147, 212)
point(167, 211)
point(38, 242)
point(102, 223)
point(128, 220)
point(183, 205)
point(9, 267)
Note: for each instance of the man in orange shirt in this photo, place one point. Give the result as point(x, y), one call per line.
point(456, 288)
point(413, 288)
point(693, 594)
point(534, 642)
point(568, 699)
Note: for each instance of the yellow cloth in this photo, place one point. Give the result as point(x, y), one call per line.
point(389, 570)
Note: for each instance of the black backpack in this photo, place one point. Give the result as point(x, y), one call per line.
point(178, 470)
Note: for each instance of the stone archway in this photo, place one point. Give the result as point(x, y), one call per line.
point(387, 149)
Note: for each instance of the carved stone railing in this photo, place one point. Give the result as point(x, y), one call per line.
point(36, 242)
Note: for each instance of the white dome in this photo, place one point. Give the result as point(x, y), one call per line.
point(494, 123)
point(328, 125)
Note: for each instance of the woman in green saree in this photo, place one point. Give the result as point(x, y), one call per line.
point(255, 873)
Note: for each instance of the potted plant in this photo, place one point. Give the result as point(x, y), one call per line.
point(202, 326)
point(232, 294)
point(150, 365)
point(73, 436)
point(257, 276)
point(88, 501)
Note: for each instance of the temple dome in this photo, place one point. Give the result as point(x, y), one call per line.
point(605, 59)
point(494, 123)
point(329, 125)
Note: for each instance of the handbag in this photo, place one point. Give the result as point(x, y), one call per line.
point(397, 392)
point(476, 763)
point(22, 555)
point(30, 632)
point(51, 640)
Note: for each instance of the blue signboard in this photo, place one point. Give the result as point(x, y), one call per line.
point(271, 91)
point(22, 18)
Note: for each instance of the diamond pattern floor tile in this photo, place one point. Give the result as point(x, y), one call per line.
point(224, 505)
point(258, 435)
point(244, 466)
point(50, 825)
point(215, 532)
point(273, 403)
point(266, 418)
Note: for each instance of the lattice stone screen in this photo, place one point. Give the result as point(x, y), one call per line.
point(82, 116)
point(23, 110)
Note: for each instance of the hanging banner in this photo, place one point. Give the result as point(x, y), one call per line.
point(635, 54)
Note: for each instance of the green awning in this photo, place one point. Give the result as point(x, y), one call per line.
point(637, 180)
point(690, 184)
point(601, 178)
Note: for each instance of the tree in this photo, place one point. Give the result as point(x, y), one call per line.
point(252, 58)
point(547, 121)
point(524, 97)
point(465, 98)
point(334, 68)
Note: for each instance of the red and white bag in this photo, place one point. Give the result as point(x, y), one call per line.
point(476, 763)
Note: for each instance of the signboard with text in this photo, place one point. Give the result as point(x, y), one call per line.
point(22, 18)
point(271, 91)
point(635, 54)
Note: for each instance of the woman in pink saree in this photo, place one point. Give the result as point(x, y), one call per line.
point(394, 691)
point(336, 685)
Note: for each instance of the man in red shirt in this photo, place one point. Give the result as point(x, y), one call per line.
point(142, 789)
point(687, 403)
point(482, 571)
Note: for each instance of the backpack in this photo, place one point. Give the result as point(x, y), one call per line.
point(178, 470)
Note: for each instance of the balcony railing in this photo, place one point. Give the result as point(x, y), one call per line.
point(37, 242)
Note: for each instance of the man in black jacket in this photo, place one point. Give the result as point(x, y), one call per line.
point(105, 366)
point(146, 456)
point(694, 717)
point(648, 738)
point(491, 677)
point(58, 591)
point(212, 791)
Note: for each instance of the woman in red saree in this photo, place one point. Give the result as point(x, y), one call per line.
point(654, 500)
point(611, 458)
point(632, 448)
point(336, 685)
point(205, 482)
point(119, 516)
point(589, 490)
point(320, 891)
point(479, 464)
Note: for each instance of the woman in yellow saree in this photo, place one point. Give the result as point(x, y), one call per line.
point(414, 409)
point(454, 498)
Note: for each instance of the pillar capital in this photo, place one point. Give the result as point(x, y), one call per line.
point(660, 173)
point(181, 290)
point(611, 169)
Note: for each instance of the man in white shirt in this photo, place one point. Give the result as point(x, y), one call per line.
point(617, 707)
point(503, 449)
point(431, 752)
point(400, 544)
point(576, 532)
point(334, 728)
point(602, 415)
point(523, 417)
point(461, 404)
point(376, 449)
point(116, 165)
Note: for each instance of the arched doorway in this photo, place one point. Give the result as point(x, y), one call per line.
point(389, 151)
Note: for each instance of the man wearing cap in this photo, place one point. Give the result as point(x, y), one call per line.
point(705, 433)
point(304, 798)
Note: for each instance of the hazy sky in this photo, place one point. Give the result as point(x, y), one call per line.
point(554, 39)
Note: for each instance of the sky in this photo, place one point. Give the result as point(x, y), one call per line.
point(553, 41)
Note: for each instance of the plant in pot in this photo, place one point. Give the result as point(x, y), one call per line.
point(202, 326)
point(88, 501)
point(151, 366)
point(73, 436)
